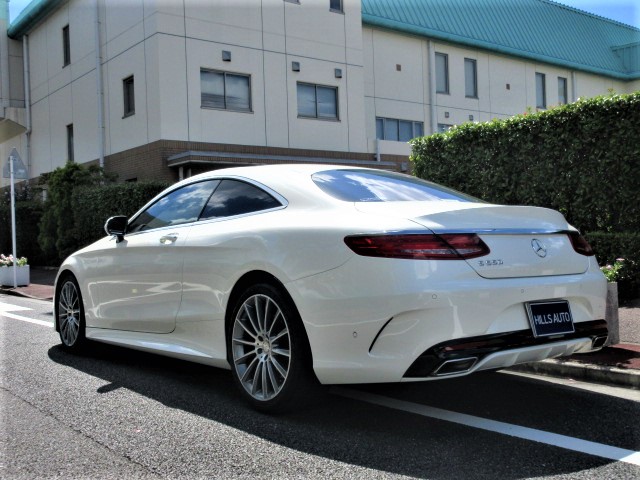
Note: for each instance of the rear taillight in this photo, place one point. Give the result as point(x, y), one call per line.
point(580, 244)
point(419, 247)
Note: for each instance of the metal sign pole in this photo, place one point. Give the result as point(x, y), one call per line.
point(13, 224)
point(14, 169)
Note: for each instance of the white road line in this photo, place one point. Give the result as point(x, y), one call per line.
point(26, 319)
point(569, 443)
point(7, 308)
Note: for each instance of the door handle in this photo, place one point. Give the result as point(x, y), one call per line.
point(169, 239)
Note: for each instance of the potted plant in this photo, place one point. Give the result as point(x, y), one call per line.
point(7, 266)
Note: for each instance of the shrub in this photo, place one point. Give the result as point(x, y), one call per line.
point(79, 201)
point(106, 201)
point(28, 214)
point(57, 229)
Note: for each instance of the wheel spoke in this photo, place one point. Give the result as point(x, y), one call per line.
point(63, 322)
point(259, 314)
point(251, 321)
point(267, 304)
point(280, 351)
point(244, 342)
point(272, 377)
point(73, 327)
point(244, 357)
point(279, 367)
point(279, 335)
point(246, 330)
point(68, 300)
point(256, 376)
point(265, 391)
point(275, 320)
point(247, 372)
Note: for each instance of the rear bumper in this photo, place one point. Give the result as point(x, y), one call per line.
point(464, 356)
point(370, 319)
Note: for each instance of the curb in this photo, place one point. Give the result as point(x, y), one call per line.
point(15, 293)
point(580, 371)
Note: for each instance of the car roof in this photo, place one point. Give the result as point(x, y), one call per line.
point(293, 180)
point(273, 172)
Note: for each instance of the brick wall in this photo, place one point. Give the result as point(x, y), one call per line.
point(149, 162)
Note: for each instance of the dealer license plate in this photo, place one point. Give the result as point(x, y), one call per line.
point(550, 318)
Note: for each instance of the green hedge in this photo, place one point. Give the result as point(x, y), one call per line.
point(56, 235)
point(79, 201)
point(81, 217)
point(92, 206)
point(582, 159)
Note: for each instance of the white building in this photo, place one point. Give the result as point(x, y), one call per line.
point(160, 89)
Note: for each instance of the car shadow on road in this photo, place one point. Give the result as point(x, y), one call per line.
point(385, 440)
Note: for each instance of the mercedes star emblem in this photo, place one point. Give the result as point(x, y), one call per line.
point(539, 248)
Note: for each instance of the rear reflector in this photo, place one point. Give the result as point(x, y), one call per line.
point(419, 247)
point(580, 244)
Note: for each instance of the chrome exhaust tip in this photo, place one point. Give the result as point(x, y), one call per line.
point(599, 341)
point(453, 367)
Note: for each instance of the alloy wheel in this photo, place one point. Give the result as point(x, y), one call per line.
point(69, 313)
point(261, 347)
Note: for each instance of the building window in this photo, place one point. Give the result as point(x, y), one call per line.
point(442, 73)
point(66, 47)
point(562, 91)
point(470, 78)
point(129, 96)
point(335, 5)
point(398, 130)
point(70, 142)
point(227, 91)
point(443, 127)
point(317, 101)
point(541, 90)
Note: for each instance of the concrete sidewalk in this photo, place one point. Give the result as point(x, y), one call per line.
point(616, 365)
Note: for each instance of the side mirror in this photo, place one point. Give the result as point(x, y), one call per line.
point(116, 226)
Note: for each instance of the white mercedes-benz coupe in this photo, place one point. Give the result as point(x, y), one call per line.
point(293, 274)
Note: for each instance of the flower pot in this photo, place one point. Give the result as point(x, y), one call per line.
point(22, 276)
point(611, 314)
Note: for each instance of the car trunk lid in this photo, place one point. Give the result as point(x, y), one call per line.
point(524, 241)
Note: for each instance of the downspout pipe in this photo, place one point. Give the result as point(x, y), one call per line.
point(27, 100)
point(432, 86)
point(4, 56)
point(99, 88)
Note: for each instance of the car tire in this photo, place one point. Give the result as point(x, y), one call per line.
point(268, 350)
point(69, 313)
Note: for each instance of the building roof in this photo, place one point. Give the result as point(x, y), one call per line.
point(539, 30)
point(31, 15)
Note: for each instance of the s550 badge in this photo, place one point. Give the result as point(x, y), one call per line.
point(490, 263)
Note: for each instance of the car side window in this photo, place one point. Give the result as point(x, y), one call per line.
point(180, 206)
point(233, 197)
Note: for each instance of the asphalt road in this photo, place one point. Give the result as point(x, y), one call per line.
point(117, 413)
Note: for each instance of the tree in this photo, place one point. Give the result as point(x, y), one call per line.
point(57, 227)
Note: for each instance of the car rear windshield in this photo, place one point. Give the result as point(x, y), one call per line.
point(381, 186)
